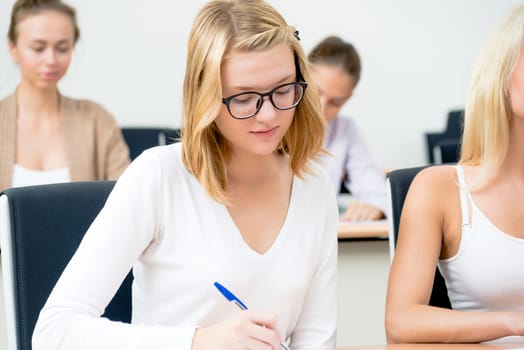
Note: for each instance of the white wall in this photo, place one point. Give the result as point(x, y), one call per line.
point(417, 58)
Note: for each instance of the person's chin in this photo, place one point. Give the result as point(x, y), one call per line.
point(267, 149)
point(46, 84)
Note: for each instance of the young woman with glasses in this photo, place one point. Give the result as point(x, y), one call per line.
point(239, 201)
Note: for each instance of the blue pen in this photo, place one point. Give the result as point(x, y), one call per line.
point(232, 298)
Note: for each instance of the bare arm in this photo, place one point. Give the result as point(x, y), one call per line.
point(427, 216)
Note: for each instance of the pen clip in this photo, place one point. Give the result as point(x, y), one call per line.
point(240, 305)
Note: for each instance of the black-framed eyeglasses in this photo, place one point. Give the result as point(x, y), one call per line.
point(247, 104)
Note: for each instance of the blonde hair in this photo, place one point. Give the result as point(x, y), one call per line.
point(219, 28)
point(488, 114)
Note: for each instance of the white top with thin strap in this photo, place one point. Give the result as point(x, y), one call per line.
point(487, 273)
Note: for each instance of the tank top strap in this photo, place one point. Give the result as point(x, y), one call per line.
point(464, 195)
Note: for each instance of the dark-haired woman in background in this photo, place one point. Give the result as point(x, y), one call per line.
point(46, 137)
point(336, 71)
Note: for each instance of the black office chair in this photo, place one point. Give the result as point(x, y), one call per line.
point(40, 229)
point(398, 182)
point(453, 131)
point(447, 151)
point(139, 139)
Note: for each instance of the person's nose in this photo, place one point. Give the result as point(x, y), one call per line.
point(267, 110)
point(50, 56)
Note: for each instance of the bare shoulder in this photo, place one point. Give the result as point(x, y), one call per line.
point(436, 178)
point(430, 209)
point(433, 188)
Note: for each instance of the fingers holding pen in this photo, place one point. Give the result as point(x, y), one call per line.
point(258, 330)
point(245, 330)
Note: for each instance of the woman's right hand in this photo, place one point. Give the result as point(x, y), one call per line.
point(245, 330)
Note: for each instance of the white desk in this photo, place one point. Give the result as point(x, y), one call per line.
point(378, 229)
point(364, 229)
point(436, 347)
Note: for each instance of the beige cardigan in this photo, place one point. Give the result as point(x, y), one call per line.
point(95, 147)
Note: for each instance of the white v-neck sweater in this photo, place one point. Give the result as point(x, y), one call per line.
point(179, 241)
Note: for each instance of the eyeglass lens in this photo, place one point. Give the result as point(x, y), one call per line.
point(283, 97)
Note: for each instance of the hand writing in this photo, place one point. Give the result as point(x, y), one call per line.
point(245, 330)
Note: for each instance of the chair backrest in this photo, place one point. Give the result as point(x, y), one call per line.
point(398, 182)
point(455, 122)
point(453, 131)
point(140, 139)
point(40, 229)
point(447, 151)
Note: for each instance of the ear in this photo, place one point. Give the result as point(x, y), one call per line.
point(12, 51)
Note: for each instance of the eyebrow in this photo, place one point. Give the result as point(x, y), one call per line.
point(250, 88)
point(42, 41)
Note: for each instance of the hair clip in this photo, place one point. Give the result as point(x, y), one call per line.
point(295, 33)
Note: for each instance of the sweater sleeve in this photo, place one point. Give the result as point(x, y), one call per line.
point(317, 324)
point(112, 150)
point(131, 220)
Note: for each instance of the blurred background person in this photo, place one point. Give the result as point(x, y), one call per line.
point(47, 137)
point(336, 71)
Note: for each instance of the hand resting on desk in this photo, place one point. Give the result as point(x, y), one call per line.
point(360, 211)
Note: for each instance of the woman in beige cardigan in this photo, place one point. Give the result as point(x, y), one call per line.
point(46, 137)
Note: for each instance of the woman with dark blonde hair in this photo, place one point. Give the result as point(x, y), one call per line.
point(239, 201)
point(467, 219)
point(46, 137)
